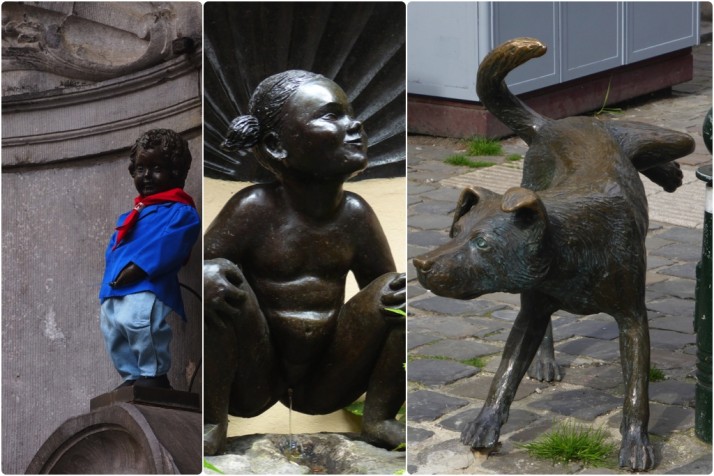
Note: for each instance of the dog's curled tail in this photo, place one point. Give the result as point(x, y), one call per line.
point(493, 92)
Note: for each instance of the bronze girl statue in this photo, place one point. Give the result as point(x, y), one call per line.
point(277, 257)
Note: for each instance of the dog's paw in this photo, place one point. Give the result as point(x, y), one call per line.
point(545, 369)
point(484, 431)
point(669, 176)
point(636, 452)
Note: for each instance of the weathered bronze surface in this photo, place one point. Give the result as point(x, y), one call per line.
point(277, 256)
point(571, 237)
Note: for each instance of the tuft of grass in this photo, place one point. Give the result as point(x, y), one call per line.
point(402, 413)
point(356, 408)
point(400, 312)
point(460, 159)
point(573, 442)
point(433, 357)
point(514, 157)
point(604, 109)
point(479, 362)
point(484, 146)
point(400, 447)
point(211, 467)
point(656, 375)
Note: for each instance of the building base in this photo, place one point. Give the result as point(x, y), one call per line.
point(464, 119)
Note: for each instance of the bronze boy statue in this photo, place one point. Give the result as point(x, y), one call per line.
point(276, 324)
point(151, 243)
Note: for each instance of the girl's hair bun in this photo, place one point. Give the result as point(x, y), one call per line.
point(243, 133)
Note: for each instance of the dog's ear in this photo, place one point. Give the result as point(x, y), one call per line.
point(469, 197)
point(525, 204)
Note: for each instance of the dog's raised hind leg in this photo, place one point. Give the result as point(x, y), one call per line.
point(652, 150)
point(521, 346)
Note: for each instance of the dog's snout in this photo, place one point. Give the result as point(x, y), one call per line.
point(422, 264)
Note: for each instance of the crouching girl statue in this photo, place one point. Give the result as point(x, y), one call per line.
point(277, 256)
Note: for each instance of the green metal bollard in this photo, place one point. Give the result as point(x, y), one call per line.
point(703, 307)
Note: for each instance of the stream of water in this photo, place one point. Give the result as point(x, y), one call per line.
point(293, 450)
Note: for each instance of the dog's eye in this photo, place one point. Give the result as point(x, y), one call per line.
point(481, 242)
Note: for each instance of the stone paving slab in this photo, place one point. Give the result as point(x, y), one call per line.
point(680, 251)
point(565, 361)
point(453, 327)
point(605, 330)
point(433, 373)
point(685, 270)
point(417, 339)
point(583, 404)
point(453, 307)
point(681, 234)
point(701, 465)
point(434, 207)
point(670, 340)
point(532, 432)
point(666, 419)
point(448, 457)
point(415, 435)
point(672, 306)
point(477, 387)
point(458, 349)
point(498, 178)
point(673, 392)
point(605, 350)
point(678, 288)
point(677, 323)
point(430, 222)
point(415, 250)
point(429, 238)
point(598, 376)
point(425, 405)
point(517, 419)
point(665, 359)
point(654, 262)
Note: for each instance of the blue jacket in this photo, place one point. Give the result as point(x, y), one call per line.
point(159, 243)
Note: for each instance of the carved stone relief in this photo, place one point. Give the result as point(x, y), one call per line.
point(77, 43)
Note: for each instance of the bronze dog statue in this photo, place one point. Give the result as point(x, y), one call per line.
point(571, 237)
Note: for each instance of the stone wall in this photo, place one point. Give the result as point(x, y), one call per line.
point(65, 141)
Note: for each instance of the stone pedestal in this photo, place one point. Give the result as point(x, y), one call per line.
point(328, 453)
point(132, 430)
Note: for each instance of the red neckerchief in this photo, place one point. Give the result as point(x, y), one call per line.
point(172, 195)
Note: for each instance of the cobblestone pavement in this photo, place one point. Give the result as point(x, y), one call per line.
point(445, 335)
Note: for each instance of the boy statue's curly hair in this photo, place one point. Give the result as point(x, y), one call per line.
point(174, 147)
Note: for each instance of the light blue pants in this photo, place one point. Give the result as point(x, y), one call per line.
point(136, 334)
